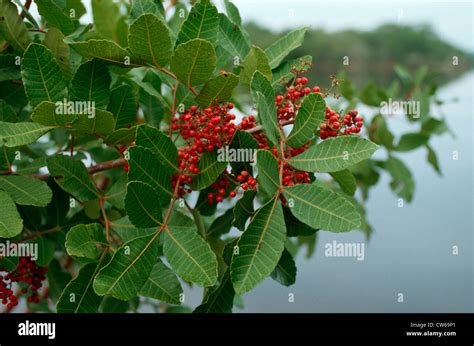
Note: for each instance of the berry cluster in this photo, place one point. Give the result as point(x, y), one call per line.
point(334, 125)
point(27, 272)
point(203, 130)
point(249, 123)
point(220, 187)
point(291, 176)
point(213, 127)
point(247, 182)
point(289, 103)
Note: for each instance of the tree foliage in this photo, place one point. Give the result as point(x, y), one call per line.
point(91, 166)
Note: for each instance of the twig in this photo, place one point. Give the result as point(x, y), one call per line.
point(104, 166)
point(106, 219)
point(27, 7)
point(260, 128)
point(197, 220)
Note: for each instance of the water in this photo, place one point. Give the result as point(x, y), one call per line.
point(410, 251)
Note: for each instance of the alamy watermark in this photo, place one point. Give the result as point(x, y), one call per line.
point(336, 249)
point(394, 107)
point(226, 154)
point(9, 249)
point(66, 107)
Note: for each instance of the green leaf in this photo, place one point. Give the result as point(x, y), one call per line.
point(202, 22)
point(104, 50)
point(266, 116)
point(46, 248)
point(286, 71)
point(12, 27)
point(111, 305)
point(220, 298)
point(109, 21)
point(9, 70)
point(129, 269)
point(42, 77)
point(77, 6)
point(54, 40)
point(58, 279)
point(149, 40)
point(127, 231)
point(146, 167)
point(346, 181)
point(283, 46)
point(79, 295)
point(193, 62)
point(244, 209)
point(91, 83)
point(260, 247)
point(141, 205)
point(82, 240)
point(260, 83)
point(59, 207)
point(161, 145)
point(402, 180)
point(411, 141)
point(256, 60)
point(334, 154)
point(322, 208)
point(123, 105)
point(140, 7)
point(433, 159)
point(310, 115)
point(162, 284)
point(210, 168)
point(72, 176)
point(217, 89)
point(124, 136)
point(17, 134)
point(285, 271)
point(268, 178)
point(294, 227)
point(434, 126)
point(243, 140)
point(232, 12)
point(373, 95)
point(55, 16)
point(91, 121)
point(116, 194)
point(9, 263)
point(26, 191)
point(379, 132)
point(232, 39)
point(264, 96)
point(403, 74)
point(190, 256)
point(222, 224)
point(11, 223)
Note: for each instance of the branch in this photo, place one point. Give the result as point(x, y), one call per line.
point(197, 220)
point(260, 128)
point(104, 166)
point(171, 74)
point(106, 219)
point(27, 7)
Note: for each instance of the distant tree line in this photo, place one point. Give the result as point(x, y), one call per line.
point(373, 54)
